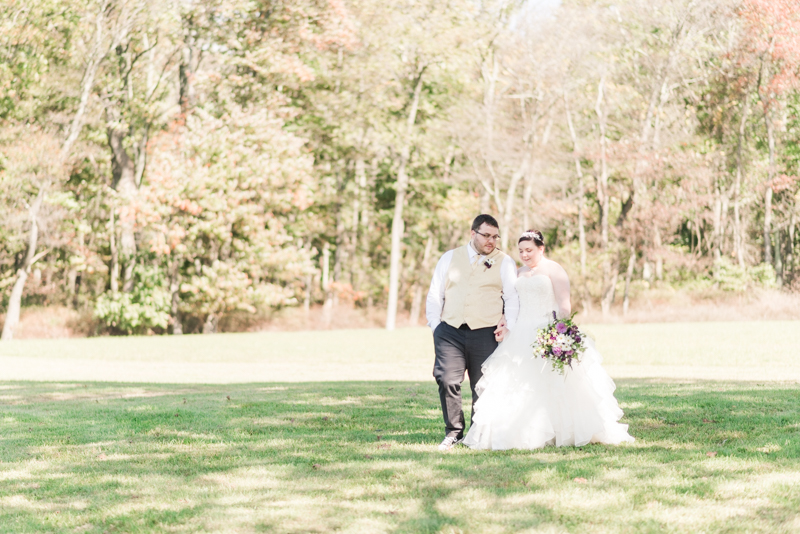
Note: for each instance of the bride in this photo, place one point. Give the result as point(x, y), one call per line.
point(523, 403)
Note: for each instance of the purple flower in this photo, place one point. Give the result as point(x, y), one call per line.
point(557, 351)
point(561, 327)
point(577, 339)
point(487, 264)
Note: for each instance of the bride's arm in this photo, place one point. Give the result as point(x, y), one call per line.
point(561, 290)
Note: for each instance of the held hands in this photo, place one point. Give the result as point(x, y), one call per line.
point(500, 332)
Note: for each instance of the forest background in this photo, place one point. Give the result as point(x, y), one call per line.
point(214, 165)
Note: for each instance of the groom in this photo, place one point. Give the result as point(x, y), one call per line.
point(472, 287)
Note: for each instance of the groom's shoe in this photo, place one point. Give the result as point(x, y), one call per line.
point(448, 443)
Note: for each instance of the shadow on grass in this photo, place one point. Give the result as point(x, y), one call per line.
point(326, 456)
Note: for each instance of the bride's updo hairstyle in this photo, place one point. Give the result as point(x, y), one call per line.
point(532, 235)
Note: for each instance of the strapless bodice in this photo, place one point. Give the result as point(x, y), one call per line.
point(537, 301)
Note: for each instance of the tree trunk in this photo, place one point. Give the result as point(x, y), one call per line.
point(114, 268)
point(610, 290)
point(628, 277)
point(87, 83)
point(581, 205)
point(778, 259)
point(398, 226)
point(327, 307)
point(340, 255)
point(659, 259)
point(766, 104)
point(417, 297)
point(210, 325)
point(309, 280)
point(511, 194)
point(790, 248)
point(15, 299)
point(175, 287)
point(602, 185)
point(124, 182)
point(186, 93)
point(716, 245)
point(610, 272)
point(738, 230)
point(366, 228)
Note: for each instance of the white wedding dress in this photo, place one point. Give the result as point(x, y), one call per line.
point(524, 404)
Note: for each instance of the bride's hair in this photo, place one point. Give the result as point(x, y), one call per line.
point(532, 235)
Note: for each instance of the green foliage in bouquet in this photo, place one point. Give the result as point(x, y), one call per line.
point(561, 342)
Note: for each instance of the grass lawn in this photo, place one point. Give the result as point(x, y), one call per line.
point(356, 456)
point(745, 350)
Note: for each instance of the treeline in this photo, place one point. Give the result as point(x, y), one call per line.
point(170, 166)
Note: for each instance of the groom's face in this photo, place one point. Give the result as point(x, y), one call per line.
point(485, 239)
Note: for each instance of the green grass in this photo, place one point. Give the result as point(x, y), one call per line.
point(360, 457)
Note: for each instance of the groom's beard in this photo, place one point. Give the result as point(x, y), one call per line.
point(483, 251)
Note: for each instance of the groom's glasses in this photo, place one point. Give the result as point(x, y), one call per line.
point(487, 236)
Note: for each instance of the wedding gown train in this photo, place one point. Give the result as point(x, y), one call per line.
point(524, 404)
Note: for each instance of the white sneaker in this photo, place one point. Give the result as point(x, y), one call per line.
point(447, 443)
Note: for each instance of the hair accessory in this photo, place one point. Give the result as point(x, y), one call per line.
point(533, 235)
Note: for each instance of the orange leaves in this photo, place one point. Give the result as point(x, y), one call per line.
point(188, 206)
point(773, 30)
point(783, 182)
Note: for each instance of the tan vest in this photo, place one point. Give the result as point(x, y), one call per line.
point(473, 293)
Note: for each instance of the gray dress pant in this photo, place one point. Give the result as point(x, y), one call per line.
point(457, 350)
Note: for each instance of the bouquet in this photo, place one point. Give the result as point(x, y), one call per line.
point(561, 342)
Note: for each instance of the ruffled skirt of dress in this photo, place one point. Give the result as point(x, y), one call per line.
point(524, 404)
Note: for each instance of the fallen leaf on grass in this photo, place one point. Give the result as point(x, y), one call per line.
point(385, 446)
point(368, 457)
point(708, 420)
point(316, 466)
point(102, 456)
point(711, 454)
point(580, 480)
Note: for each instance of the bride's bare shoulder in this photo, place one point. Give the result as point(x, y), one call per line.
point(556, 271)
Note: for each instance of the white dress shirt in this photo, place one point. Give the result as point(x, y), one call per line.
point(434, 304)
